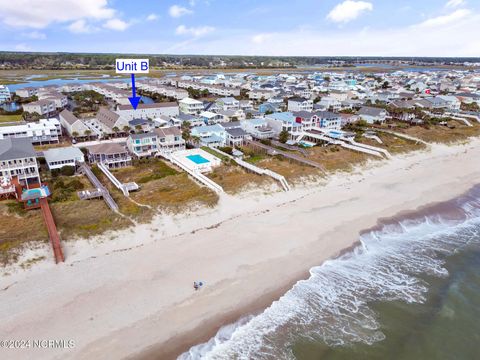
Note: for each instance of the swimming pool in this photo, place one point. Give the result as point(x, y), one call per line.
point(37, 193)
point(197, 159)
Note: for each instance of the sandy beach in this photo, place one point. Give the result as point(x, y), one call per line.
point(129, 294)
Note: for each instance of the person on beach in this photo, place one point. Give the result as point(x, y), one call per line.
point(197, 285)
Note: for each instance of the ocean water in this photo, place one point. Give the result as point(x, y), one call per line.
point(410, 290)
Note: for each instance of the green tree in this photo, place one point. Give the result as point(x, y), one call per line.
point(283, 136)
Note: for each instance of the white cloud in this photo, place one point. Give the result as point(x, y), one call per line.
point(261, 38)
point(372, 41)
point(152, 17)
point(22, 47)
point(40, 13)
point(349, 10)
point(194, 31)
point(81, 27)
point(455, 3)
point(446, 19)
point(178, 11)
point(116, 24)
point(36, 35)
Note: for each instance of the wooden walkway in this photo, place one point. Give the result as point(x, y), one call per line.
point(52, 231)
point(84, 168)
point(288, 155)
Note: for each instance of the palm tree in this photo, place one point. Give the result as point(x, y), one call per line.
point(126, 129)
point(116, 130)
point(74, 134)
point(138, 128)
point(195, 140)
point(186, 135)
point(88, 132)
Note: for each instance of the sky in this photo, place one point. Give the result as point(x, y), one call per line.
point(244, 27)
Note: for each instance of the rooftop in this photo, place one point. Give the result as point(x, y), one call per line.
point(64, 153)
point(16, 148)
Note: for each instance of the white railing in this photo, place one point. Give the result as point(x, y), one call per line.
point(258, 170)
point(196, 174)
point(372, 148)
point(124, 188)
point(465, 121)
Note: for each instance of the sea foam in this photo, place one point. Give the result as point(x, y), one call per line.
point(332, 305)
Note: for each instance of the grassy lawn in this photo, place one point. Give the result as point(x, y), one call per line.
point(174, 193)
point(393, 144)
point(215, 153)
point(443, 134)
point(144, 171)
point(10, 118)
point(80, 218)
point(19, 227)
point(234, 178)
point(336, 158)
point(161, 187)
point(85, 218)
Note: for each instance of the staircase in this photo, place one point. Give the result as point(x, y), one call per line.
point(85, 169)
point(124, 188)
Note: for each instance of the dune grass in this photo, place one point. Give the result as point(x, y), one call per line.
point(19, 227)
point(233, 178)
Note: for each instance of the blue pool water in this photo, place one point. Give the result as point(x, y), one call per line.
point(305, 144)
point(197, 159)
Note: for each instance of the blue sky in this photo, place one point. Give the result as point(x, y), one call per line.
point(244, 27)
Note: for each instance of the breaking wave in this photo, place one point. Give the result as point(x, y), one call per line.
point(333, 304)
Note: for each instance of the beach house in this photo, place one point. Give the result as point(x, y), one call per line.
point(210, 135)
point(211, 118)
point(142, 145)
point(112, 155)
point(190, 106)
point(228, 103)
point(18, 160)
point(372, 115)
point(300, 104)
point(148, 111)
point(41, 107)
point(73, 125)
point(258, 128)
point(57, 158)
point(235, 135)
point(169, 139)
point(45, 131)
point(108, 121)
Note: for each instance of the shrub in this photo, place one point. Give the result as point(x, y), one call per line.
point(226, 149)
point(67, 170)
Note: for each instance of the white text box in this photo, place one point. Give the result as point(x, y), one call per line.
point(132, 66)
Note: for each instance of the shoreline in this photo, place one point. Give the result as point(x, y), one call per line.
point(182, 343)
point(129, 304)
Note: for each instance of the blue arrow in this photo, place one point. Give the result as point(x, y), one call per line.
point(134, 100)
